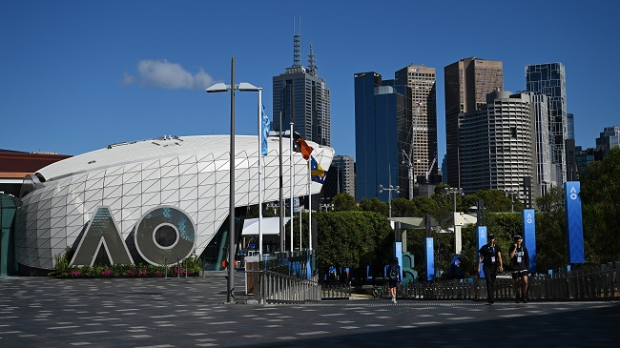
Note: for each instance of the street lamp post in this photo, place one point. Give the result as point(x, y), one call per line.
point(221, 87)
point(327, 206)
point(512, 200)
point(389, 189)
point(457, 234)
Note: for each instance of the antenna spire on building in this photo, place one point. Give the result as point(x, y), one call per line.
point(296, 44)
point(312, 68)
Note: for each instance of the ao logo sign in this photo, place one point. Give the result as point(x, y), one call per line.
point(162, 236)
point(573, 193)
point(529, 218)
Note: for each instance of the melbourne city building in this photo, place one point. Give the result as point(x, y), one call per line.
point(382, 122)
point(550, 80)
point(423, 138)
point(467, 84)
point(498, 144)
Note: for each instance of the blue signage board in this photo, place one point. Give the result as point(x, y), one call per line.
point(430, 260)
point(574, 222)
point(529, 236)
point(398, 252)
point(481, 233)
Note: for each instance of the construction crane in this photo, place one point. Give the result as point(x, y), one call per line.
point(413, 181)
point(409, 164)
point(430, 169)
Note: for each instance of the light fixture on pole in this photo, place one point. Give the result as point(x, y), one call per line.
point(389, 189)
point(512, 199)
point(327, 206)
point(221, 87)
point(457, 231)
point(247, 87)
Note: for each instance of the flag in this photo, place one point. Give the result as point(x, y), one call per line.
point(300, 145)
point(316, 171)
point(265, 128)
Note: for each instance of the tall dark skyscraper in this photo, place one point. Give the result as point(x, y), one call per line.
point(467, 84)
point(549, 79)
point(382, 122)
point(423, 138)
point(303, 98)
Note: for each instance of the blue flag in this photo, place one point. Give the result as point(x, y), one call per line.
point(317, 172)
point(266, 127)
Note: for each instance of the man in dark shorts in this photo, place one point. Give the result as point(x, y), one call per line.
point(491, 255)
point(520, 262)
point(394, 277)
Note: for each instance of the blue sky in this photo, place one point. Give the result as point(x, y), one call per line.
point(76, 76)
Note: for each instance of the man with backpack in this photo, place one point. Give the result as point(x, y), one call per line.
point(394, 277)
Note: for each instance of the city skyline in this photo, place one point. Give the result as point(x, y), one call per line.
point(75, 71)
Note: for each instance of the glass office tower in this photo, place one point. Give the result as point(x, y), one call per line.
point(549, 79)
point(381, 113)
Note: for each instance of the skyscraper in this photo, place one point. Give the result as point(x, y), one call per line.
point(341, 178)
point(382, 119)
point(498, 144)
point(608, 140)
point(549, 79)
point(303, 98)
point(545, 168)
point(467, 84)
point(422, 135)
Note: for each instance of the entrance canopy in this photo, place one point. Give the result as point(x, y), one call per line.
point(270, 226)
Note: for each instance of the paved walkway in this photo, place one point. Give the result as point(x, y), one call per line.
point(48, 312)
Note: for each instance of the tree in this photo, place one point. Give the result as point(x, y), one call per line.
point(353, 239)
point(600, 195)
point(375, 205)
point(344, 202)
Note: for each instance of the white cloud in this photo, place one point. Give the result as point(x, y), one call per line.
point(164, 74)
point(128, 79)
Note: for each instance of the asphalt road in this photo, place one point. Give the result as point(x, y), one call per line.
point(48, 312)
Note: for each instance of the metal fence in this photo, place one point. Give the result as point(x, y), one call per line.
point(336, 291)
point(272, 287)
point(592, 283)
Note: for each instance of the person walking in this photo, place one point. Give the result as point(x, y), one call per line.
point(490, 258)
point(520, 262)
point(394, 277)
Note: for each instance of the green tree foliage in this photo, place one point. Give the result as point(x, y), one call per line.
point(344, 202)
point(600, 195)
point(494, 201)
point(375, 205)
point(551, 231)
point(353, 239)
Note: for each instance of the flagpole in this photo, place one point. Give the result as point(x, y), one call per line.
point(260, 174)
point(300, 224)
point(310, 205)
point(291, 182)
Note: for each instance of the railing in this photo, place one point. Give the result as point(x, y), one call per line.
point(336, 291)
point(595, 283)
point(273, 287)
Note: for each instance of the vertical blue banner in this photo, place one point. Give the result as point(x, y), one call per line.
point(398, 252)
point(430, 260)
point(481, 233)
point(529, 236)
point(574, 222)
